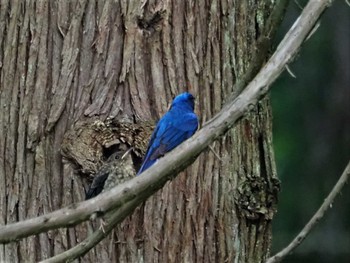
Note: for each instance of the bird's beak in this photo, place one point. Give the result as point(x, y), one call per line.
point(127, 152)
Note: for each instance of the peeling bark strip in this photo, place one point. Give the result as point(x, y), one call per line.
point(61, 60)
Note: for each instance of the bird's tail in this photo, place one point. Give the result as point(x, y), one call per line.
point(92, 192)
point(146, 164)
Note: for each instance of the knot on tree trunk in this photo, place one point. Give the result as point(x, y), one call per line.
point(257, 198)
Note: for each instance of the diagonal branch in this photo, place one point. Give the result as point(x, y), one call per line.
point(113, 219)
point(140, 188)
point(315, 219)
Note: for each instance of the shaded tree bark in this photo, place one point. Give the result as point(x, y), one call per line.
point(67, 61)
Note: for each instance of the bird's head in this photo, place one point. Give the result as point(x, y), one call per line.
point(185, 98)
point(121, 156)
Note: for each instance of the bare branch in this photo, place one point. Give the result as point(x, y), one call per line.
point(112, 220)
point(347, 2)
point(140, 188)
point(315, 219)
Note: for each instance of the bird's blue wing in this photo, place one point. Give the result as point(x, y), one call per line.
point(174, 134)
point(146, 161)
point(171, 130)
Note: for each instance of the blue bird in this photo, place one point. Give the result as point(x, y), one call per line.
point(176, 126)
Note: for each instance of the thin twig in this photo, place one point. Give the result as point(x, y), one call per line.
point(313, 31)
point(290, 72)
point(315, 219)
point(215, 153)
point(347, 2)
point(298, 4)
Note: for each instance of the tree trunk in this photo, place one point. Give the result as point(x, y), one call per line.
point(64, 61)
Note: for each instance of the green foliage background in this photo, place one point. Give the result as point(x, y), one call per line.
point(312, 138)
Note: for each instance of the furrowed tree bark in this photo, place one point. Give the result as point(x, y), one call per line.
point(65, 61)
